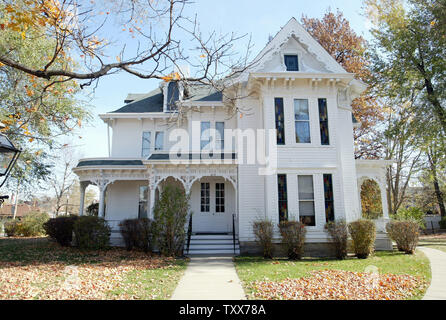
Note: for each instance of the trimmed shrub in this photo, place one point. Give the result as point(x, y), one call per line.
point(412, 213)
point(137, 233)
point(263, 231)
point(32, 224)
point(293, 237)
point(443, 223)
point(363, 233)
point(170, 214)
point(338, 232)
point(61, 229)
point(129, 230)
point(91, 232)
point(405, 234)
point(12, 228)
point(145, 234)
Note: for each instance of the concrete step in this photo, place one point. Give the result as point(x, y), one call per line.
point(212, 246)
point(212, 241)
point(211, 237)
point(212, 252)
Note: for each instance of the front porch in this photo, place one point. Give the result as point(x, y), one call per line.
point(129, 189)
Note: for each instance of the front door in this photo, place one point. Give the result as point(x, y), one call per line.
point(212, 204)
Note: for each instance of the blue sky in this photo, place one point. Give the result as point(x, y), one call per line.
point(260, 18)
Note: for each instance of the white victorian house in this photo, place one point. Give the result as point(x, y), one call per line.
point(296, 90)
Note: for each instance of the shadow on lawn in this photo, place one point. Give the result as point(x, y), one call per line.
point(42, 251)
point(351, 257)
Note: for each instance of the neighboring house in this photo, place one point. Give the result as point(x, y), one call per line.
point(295, 90)
point(23, 209)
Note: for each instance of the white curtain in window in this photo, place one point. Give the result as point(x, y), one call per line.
point(159, 140)
point(205, 135)
point(146, 136)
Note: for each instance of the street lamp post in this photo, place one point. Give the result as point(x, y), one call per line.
point(8, 157)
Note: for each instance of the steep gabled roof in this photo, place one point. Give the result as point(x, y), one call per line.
point(150, 102)
point(294, 29)
point(153, 101)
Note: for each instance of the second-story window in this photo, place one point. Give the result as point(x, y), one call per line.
point(302, 121)
point(159, 140)
point(280, 120)
point(323, 122)
point(291, 63)
point(205, 137)
point(146, 136)
point(220, 135)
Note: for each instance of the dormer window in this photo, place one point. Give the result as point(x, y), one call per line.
point(291, 62)
point(173, 95)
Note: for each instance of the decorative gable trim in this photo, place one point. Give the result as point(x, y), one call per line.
point(296, 30)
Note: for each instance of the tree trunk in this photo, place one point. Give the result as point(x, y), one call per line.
point(438, 193)
point(438, 109)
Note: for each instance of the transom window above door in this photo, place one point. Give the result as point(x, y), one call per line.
point(291, 62)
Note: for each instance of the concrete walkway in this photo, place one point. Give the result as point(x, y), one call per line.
point(437, 289)
point(209, 278)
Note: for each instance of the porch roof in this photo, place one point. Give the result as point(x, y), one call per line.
point(109, 162)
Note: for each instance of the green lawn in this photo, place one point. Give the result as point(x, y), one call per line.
point(252, 269)
point(435, 241)
point(37, 268)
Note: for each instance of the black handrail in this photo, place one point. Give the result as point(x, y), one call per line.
point(189, 233)
point(233, 231)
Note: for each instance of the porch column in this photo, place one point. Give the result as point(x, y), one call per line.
point(151, 205)
point(382, 188)
point(83, 186)
point(360, 182)
point(102, 189)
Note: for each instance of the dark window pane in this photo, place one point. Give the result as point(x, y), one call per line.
point(280, 121)
point(323, 121)
point(308, 220)
point(283, 203)
point(328, 195)
point(291, 63)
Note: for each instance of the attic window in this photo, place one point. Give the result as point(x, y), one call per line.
point(291, 63)
point(173, 95)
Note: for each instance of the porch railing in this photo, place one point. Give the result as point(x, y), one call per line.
point(189, 233)
point(233, 231)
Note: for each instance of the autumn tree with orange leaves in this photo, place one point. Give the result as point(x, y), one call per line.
point(334, 33)
point(34, 111)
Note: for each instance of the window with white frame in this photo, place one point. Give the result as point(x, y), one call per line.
point(220, 135)
point(146, 136)
point(205, 197)
point(159, 140)
point(205, 137)
point(219, 197)
point(302, 121)
point(307, 214)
